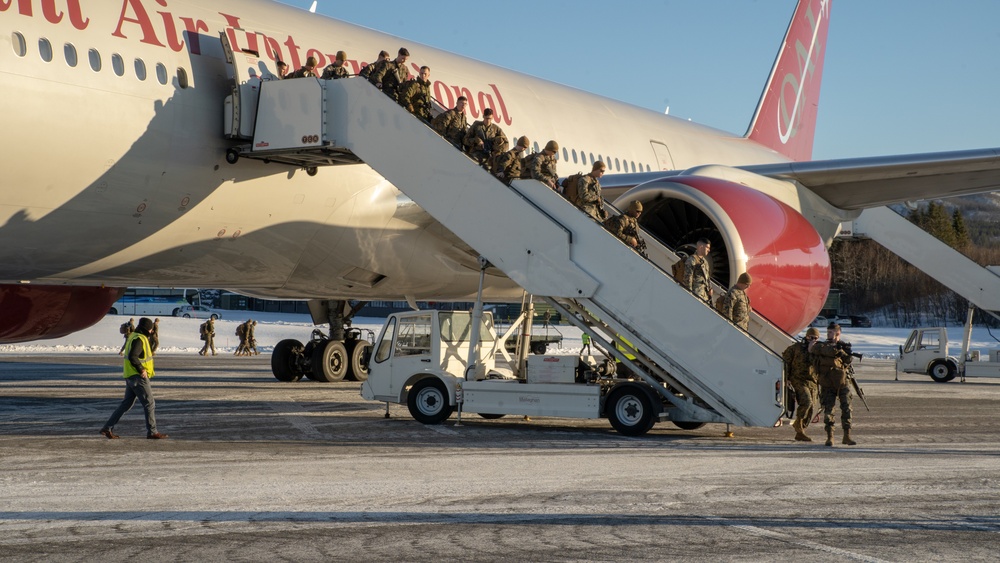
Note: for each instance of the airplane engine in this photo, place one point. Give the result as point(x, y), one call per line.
point(32, 312)
point(749, 231)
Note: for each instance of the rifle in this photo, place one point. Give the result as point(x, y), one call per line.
point(854, 383)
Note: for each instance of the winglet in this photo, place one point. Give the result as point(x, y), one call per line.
point(785, 119)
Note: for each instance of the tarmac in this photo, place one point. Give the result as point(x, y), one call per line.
point(258, 470)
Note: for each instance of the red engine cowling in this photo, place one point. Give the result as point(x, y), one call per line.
point(32, 312)
point(750, 231)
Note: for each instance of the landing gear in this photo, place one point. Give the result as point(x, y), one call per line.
point(342, 355)
point(284, 362)
point(329, 361)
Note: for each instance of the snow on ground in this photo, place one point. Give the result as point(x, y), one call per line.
point(180, 336)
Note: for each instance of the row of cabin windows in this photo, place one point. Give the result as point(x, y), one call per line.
point(117, 62)
point(615, 165)
point(118, 66)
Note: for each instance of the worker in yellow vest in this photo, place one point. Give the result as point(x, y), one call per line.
point(137, 371)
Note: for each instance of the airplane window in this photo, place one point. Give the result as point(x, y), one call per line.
point(140, 69)
point(536, 146)
point(45, 50)
point(161, 73)
point(591, 159)
point(70, 52)
point(574, 156)
point(118, 64)
point(601, 158)
point(182, 78)
point(648, 169)
point(95, 60)
point(565, 154)
point(633, 166)
point(618, 166)
point(20, 47)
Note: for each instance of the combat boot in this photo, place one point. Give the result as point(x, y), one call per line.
point(847, 438)
point(829, 436)
point(800, 436)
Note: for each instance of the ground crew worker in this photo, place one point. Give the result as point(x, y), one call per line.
point(830, 363)
point(336, 69)
point(208, 335)
point(388, 76)
point(415, 95)
point(802, 380)
point(308, 70)
point(543, 166)
point(507, 166)
point(451, 124)
point(126, 329)
point(586, 343)
point(367, 70)
point(154, 336)
point(626, 227)
point(737, 305)
point(589, 198)
point(697, 277)
point(485, 138)
point(137, 371)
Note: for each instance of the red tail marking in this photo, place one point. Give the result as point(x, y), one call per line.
point(786, 115)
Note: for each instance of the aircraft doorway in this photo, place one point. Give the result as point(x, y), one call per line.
point(663, 159)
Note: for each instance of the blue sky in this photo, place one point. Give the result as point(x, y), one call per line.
point(899, 76)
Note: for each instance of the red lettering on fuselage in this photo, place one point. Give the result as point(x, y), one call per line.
point(141, 18)
point(49, 10)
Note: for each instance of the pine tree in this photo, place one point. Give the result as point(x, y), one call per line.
point(938, 224)
point(962, 238)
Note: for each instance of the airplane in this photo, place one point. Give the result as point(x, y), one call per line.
point(116, 169)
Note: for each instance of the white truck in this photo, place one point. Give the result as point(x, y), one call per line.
point(421, 359)
point(927, 351)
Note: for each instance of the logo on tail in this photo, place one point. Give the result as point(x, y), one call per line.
point(785, 119)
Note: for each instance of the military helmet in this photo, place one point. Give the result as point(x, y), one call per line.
point(524, 142)
point(744, 278)
point(813, 331)
point(552, 146)
point(635, 206)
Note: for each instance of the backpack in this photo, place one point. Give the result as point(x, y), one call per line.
point(526, 163)
point(720, 305)
point(571, 188)
point(678, 269)
point(204, 328)
point(123, 329)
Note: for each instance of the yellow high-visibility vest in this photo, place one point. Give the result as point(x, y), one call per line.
point(147, 355)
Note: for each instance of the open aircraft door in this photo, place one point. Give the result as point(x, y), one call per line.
point(663, 158)
point(244, 68)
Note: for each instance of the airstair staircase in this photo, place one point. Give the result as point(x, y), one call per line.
point(705, 367)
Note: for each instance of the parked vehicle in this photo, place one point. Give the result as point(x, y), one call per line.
point(927, 351)
point(197, 312)
point(152, 301)
point(820, 322)
point(861, 321)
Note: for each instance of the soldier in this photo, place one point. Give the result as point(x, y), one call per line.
point(415, 95)
point(388, 76)
point(543, 168)
point(154, 336)
point(831, 363)
point(485, 138)
point(126, 329)
point(626, 227)
point(589, 198)
point(251, 340)
point(737, 305)
point(697, 277)
point(802, 380)
point(507, 166)
point(367, 70)
point(451, 124)
point(208, 335)
point(337, 68)
point(241, 333)
point(307, 71)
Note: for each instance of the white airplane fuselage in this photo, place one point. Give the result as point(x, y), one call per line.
point(123, 181)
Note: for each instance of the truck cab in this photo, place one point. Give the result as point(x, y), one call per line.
point(926, 351)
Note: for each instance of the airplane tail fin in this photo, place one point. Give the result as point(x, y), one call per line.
point(785, 119)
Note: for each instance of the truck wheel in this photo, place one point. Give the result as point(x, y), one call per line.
point(283, 360)
point(942, 371)
point(538, 348)
point(428, 401)
point(329, 361)
point(630, 411)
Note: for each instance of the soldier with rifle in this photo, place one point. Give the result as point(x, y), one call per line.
point(831, 363)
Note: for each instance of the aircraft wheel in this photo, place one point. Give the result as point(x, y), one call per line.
point(232, 156)
point(630, 411)
point(428, 401)
point(283, 364)
point(359, 364)
point(942, 371)
point(687, 424)
point(329, 361)
point(489, 416)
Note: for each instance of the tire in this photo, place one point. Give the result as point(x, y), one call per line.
point(428, 401)
point(330, 361)
point(113, 311)
point(359, 367)
point(283, 364)
point(942, 371)
point(630, 411)
point(489, 416)
point(187, 316)
point(538, 348)
point(176, 313)
point(687, 424)
point(232, 156)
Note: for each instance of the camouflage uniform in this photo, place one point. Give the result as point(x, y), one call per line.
point(543, 169)
point(697, 277)
point(332, 72)
point(802, 379)
point(493, 138)
point(391, 75)
point(415, 96)
point(738, 307)
point(625, 226)
point(451, 125)
point(209, 338)
point(507, 166)
point(154, 337)
point(830, 364)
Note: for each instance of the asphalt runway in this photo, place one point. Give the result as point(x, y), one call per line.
point(257, 470)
